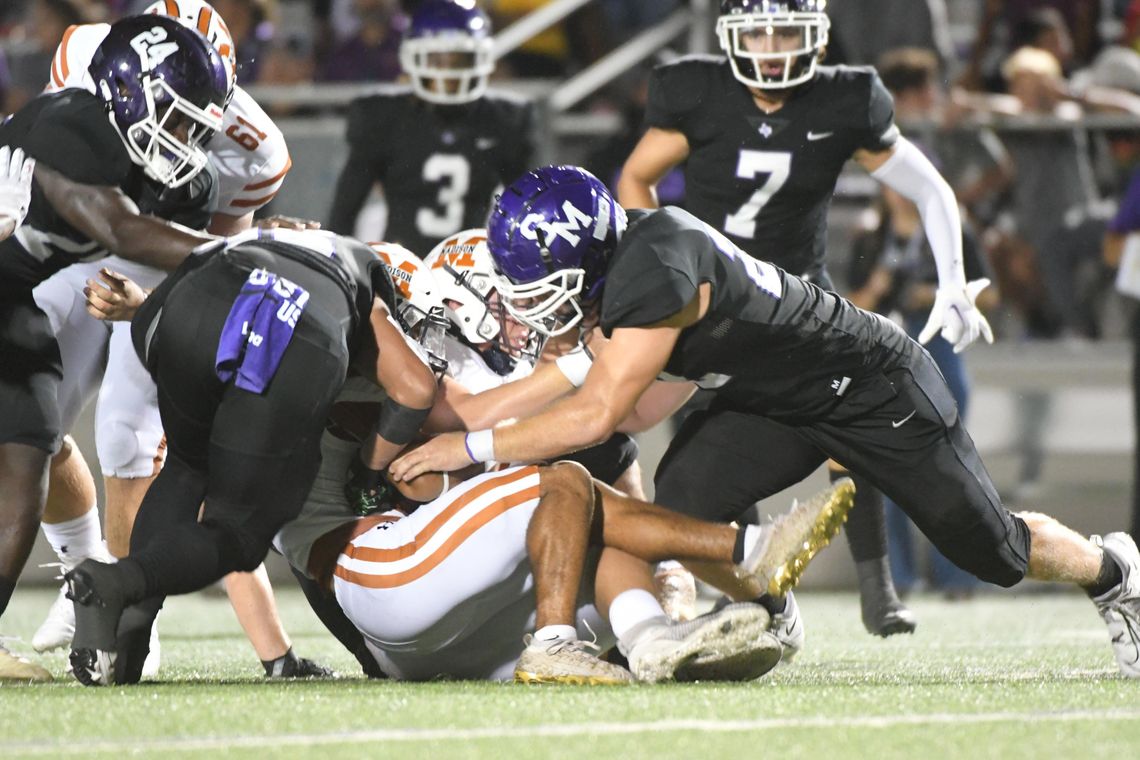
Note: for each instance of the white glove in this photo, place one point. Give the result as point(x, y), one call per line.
point(955, 314)
point(15, 185)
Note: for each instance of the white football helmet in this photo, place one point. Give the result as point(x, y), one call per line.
point(200, 15)
point(762, 34)
point(462, 267)
point(419, 308)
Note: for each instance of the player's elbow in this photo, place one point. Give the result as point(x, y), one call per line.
point(415, 388)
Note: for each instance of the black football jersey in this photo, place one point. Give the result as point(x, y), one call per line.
point(766, 180)
point(439, 165)
point(774, 343)
point(69, 132)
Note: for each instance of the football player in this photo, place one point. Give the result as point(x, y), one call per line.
point(249, 342)
point(799, 374)
point(444, 581)
point(251, 159)
point(765, 132)
point(441, 144)
point(106, 165)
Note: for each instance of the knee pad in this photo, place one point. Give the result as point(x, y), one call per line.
point(124, 451)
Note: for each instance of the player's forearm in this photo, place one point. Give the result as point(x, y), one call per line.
point(151, 241)
point(634, 192)
point(659, 402)
point(566, 426)
point(520, 398)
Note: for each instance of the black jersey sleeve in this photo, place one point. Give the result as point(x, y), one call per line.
point(676, 92)
point(880, 132)
point(655, 272)
point(70, 133)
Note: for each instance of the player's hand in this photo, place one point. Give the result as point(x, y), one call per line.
point(116, 299)
point(956, 316)
point(15, 188)
point(367, 490)
point(444, 453)
point(286, 223)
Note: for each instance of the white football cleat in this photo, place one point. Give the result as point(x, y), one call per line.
point(566, 661)
point(788, 628)
point(1120, 607)
point(16, 668)
point(731, 644)
point(58, 628)
point(676, 590)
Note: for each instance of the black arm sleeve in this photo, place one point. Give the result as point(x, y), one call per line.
point(359, 173)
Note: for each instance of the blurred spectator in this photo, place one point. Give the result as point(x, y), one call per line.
point(251, 24)
point(861, 32)
point(1006, 25)
point(582, 38)
point(371, 53)
point(1122, 250)
point(33, 44)
point(973, 161)
point(893, 272)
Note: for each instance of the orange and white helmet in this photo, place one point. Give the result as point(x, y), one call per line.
point(465, 273)
point(202, 16)
point(419, 307)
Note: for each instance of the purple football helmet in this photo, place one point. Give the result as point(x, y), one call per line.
point(447, 51)
point(773, 44)
point(552, 233)
point(165, 88)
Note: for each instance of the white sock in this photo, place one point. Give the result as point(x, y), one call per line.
point(752, 535)
point(631, 608)
point(549, 633)
point(76, 540)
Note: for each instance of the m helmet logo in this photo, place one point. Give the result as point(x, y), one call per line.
point(576, 220)
point(401, 275)
point(151, 48)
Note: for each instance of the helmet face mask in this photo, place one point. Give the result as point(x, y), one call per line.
point(773, 44)
point(164, 88)
point(447, 52)
point(552, 233)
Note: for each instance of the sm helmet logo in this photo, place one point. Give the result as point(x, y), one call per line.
point(576, 220)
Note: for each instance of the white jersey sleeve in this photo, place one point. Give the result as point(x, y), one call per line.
point(251, 157)
point(73, 56)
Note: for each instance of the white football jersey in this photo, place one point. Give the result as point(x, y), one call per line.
point(469, 369)
point(249, 151)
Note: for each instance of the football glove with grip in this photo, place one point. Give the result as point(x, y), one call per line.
point(956, 316)
point(15, 185)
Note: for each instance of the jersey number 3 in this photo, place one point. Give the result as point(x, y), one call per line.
point(778, 166)
point(454, 174)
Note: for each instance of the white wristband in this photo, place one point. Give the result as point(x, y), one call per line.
point(575, 365)
point(480, 445)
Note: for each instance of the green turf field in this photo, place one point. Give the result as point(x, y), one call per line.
point(1002, 676)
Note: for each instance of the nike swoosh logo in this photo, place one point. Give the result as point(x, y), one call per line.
point(900, 423)
point(813, 136)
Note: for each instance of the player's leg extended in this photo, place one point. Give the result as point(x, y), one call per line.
point(882, 611)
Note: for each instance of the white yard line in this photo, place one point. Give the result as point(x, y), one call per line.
point(278, 741)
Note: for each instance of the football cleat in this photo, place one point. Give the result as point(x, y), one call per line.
point(94, 588)
point(566, 662)
point(16, 668)
point(788, 628)
point(789, 542)
point(676, 590)
point(59, 626)
point(1120, 607)
point(731, 644)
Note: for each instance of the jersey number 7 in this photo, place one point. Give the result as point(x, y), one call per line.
point(778, 166)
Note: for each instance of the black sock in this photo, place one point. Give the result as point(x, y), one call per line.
point(774, 604)
point(738, 547)
point(1107, 579)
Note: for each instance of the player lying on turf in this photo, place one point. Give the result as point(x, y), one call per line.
point(800, 375)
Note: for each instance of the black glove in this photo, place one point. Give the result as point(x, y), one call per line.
point(367, 490)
